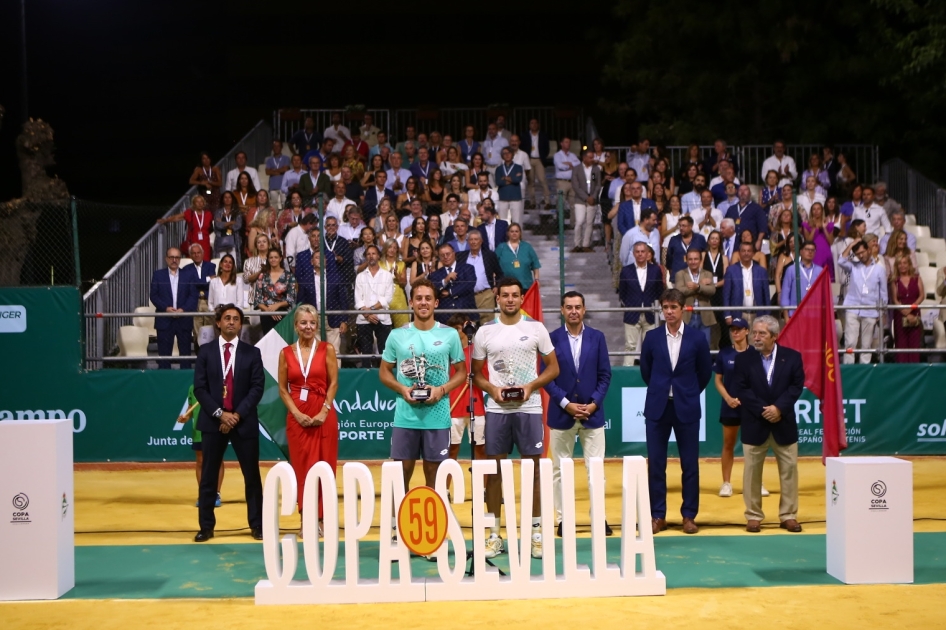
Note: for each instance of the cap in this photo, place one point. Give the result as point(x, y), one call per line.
point(738, 322)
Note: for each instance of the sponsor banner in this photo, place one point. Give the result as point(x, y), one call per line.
point(12, 318)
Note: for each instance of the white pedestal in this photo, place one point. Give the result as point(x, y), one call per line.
point(37, 525)
point(870, 519)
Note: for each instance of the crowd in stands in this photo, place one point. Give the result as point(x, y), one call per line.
point(430, 206)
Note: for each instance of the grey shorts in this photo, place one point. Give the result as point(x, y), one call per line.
point(430, 445)
point(525, 430)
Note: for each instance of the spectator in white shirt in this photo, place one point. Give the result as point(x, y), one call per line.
point(872, 214)
point(336, 207)
point(639, 160)
point(337, 131)
point(492, 147)
point(241, 166)
point(369, 133)
point(351, 229)
point(783, 165)
point(693, 199)
point(565, 162)
point(482, 191)
point(810, 196)
point(521, 158)
point(374, 290)
point(706, 218)
point(501, 128)
point(297, 239)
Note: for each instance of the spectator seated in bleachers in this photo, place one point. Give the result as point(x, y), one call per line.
point(897, 222)
point(897, 248)
point(241, 168)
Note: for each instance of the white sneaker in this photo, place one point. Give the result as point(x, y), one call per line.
point(494, 546)
point(764, 492)
point(726, 489)
point(536, 545)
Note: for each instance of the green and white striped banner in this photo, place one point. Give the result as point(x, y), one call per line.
point(272, 411)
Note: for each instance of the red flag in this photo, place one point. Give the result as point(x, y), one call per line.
point(532, 308)
point(811, 331)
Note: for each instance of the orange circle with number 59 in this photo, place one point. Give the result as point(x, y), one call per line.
point(422, 520)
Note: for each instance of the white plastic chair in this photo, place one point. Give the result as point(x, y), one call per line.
point(185, 262)
point(922, 231)
point(928, 275)
point(132, 341)
point(922, 259)
point(145, 323)
point(910, 219)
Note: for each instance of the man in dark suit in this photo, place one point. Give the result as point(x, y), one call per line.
point(228, 384)
point(577, 393)
point(171, 293)
point(681, 243)
point(337, 294)
point(486, 266)
point(676, 365)
point(737, 293)
point(315, 181)
point(630, 210)
point(375, 194)
point(492, 228)
point(748, 215)
point(640, 286)
point(198, 275)
point(767, 381)
point(455, 282)
point(535, 143)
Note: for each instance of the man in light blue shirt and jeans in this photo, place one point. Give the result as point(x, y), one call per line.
point(866, 289)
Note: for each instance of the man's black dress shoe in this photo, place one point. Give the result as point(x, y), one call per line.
point(257, 534)
point(204, 535)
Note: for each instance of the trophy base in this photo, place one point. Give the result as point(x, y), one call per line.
point(420, 394)
point(513, 394)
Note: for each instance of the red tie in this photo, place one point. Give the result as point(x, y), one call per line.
point(227, 379)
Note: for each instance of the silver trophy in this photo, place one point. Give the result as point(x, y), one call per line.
point(510, 393)
point(415, 369)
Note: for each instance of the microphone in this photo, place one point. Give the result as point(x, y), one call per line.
point(469, 328)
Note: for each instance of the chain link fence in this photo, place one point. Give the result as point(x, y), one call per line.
point(39, 244)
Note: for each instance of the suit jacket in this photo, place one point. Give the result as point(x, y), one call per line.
point(626, 213)
point(703, 293)
point(323, 185)
point(459, 292)
point(629, 290)
point(490, 264)
point(754, 392)
point(200, 285)
point(589, 383)
point(501, 228)
point(370, 206)
point(733, 289)
point(544, 148)
point(581, 187)
point(163, 298)
point(337, 294)
point(688, 379)
point(248, 382)
point(754, 218)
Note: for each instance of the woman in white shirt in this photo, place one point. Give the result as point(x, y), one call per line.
point(227, 286)
point(810, 197)
point(453, 164)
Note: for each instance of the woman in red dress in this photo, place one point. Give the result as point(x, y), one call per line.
point(200, 222)
point(308, 381)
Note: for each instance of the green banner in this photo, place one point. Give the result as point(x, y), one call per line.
point(130, 415)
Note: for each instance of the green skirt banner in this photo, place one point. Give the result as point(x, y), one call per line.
point(130, 415)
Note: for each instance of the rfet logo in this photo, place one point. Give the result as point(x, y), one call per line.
point(12, 318)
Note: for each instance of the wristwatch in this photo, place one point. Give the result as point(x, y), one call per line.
point(218, 413)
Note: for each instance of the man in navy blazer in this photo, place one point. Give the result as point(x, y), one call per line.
point(641, 285)
point(374, 195)
point(767, 381)
point(676, 365)
point(577, 394)
point(172, 293)
point(455, 282)
point(498, 226)
point(737, 294)
point(228, 384)
point(199, 275)
point(629, 210)
point(337, 295)
point(748, 215)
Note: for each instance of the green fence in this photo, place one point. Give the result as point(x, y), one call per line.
point(130, 415)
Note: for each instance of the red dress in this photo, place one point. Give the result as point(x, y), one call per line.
point(907, 338)
point(199, 225)
point(309, 445)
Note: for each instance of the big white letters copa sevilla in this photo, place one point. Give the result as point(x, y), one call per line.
point(599, 579)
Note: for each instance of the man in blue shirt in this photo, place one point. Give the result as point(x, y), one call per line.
point(748, 215)
point(509, 183)
point(807, 270)
point(867, 289)
point(276, 165)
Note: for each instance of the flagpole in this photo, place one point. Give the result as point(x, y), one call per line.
point(561, 247)
point(797, 245)
point(323, 320)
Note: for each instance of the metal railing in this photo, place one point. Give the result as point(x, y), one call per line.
point(556, 121)
point(917, 194)
point(123, 318)
point(126, 285)
point(862, 158)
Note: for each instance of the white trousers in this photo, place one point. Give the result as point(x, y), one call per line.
point(511, 211)
point(859, 332)
point(634, 337)
point(584, 223)
point(563, 445)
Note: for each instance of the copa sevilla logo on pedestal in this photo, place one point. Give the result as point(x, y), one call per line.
point(20, 503)
point(427, 525)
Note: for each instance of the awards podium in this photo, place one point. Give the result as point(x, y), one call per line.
point(37, 524)
point(869, 519)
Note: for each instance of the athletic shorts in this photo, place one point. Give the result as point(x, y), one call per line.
point(430, 445)
point(525, 430)
point(459, 426)
point(196, 446)
point(730, 422)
